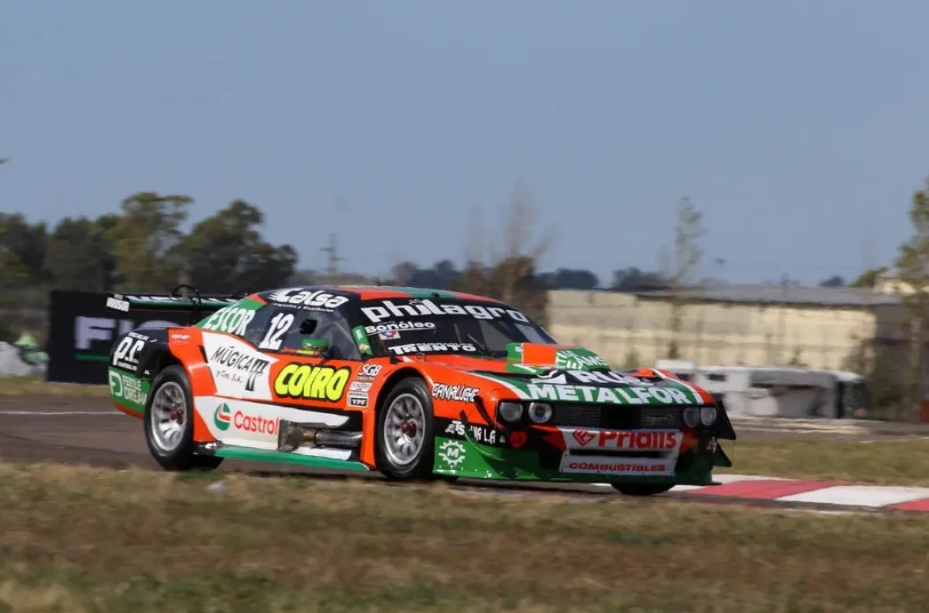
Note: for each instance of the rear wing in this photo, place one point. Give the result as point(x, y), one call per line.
point(198, 304)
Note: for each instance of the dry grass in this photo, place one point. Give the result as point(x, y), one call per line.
point(83, 540)
point(30, 386)
point(897, 463)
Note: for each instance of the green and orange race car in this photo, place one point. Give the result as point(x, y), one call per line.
point(414, 383)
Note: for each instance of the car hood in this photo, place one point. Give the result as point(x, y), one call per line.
point(566, 373)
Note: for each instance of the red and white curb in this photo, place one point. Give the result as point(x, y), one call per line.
point(752, 488)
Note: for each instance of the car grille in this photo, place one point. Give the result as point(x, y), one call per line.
point(615, 417)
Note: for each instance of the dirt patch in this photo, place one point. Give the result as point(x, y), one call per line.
point(29, 386)
point(81, 539)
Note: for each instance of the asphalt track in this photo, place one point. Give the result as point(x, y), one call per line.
point(89, 431)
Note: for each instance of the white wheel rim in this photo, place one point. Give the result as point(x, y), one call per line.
point(404, 429)
point(168, 416)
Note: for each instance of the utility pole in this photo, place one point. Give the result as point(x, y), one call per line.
point(332, 257)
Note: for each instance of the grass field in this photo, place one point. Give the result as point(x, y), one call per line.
point(898, 463)
point(84, 540)
point(29, 386)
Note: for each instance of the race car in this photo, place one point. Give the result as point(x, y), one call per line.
point(417, 384)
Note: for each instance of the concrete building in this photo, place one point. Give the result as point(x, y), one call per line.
point(817, 327)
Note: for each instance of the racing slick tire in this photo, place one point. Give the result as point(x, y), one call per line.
point(169, 423)
point(405, 445)
point(641, 489)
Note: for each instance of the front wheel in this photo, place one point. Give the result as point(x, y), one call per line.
point(169, 424)
point(405, 432)
point(641, 489)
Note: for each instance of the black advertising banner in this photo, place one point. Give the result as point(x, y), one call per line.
point(82, 331)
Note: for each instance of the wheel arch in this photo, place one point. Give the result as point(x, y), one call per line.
point(158, 360)
point(394, 378)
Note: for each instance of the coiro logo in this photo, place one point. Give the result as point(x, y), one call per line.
point(222, 417)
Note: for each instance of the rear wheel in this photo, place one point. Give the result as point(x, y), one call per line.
point(641, 489)
point(405, 432)
point(169, 424)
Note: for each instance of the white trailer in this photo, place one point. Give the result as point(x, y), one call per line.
point(750, 391)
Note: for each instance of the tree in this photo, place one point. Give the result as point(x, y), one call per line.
point(80, 255)
point(25, 241)
point(833, 281)
point(868, 279)
point(912, 265)
point(686, 256)
point(510, 275)
point(565, 278)
point(225, 253)
point(147, 238)
point(634, 280)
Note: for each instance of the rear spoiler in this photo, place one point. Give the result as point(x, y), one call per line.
point(174, 301)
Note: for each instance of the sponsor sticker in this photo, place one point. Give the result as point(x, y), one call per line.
point(538, 390)
point(452, 453)
point(230, 320)
point(357, 400)
point(432, 347)
point(241, 367)
point(127, 352)
point(484, 435)
point(301, 298)
point(118, 304)
point(617, 467)
point(626, 440)
point(225, 418)
point(456, 393)
point(306, 382)
point(391, 309)
point(128, 388)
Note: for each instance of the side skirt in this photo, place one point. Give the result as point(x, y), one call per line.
point(250, 454)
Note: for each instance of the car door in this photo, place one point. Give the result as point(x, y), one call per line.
point(317, 358)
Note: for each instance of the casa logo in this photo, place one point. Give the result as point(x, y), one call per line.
point(606, 395)
point(400, 326)
point(432, 347)
point(456, 393)
point(224, 417)
point(388, 309)
point(230, 320)
point(299, 297)
point(627, 440)
point(305, 382)
point(358, 386)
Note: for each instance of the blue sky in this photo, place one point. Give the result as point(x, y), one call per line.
point(799, 127)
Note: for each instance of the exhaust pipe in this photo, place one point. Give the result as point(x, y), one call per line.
point(292, 435)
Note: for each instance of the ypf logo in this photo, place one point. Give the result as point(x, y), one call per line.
point(222, 417)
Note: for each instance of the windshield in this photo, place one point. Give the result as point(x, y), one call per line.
point(404, 327)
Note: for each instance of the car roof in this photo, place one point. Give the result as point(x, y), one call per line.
point(387, 292)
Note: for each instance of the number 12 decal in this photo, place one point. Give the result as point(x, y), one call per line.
point(280, 324)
